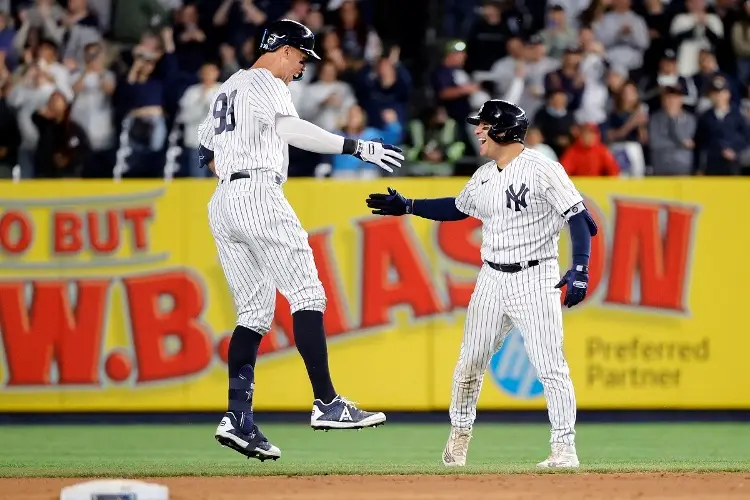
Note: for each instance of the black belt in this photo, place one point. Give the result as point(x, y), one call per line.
point(512, 268)
point(245, 174)
point(239, 175)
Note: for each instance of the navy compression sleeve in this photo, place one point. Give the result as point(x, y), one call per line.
point(580, 237)
point(440, 209)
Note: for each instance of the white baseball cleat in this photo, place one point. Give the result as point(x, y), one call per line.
point(563, 456)
point(457, 447)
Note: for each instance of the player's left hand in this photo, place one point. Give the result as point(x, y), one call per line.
point(577, 285)
point(385, 156)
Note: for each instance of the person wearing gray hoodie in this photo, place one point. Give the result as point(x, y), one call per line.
point(671, 131)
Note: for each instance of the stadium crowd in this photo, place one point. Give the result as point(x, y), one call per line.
point(101, 88)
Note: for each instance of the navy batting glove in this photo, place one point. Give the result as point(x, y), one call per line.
point(577, 285)
point(392, 203)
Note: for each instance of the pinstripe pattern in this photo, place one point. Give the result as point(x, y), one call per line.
point(261, 243)
point(253, 144)
point(526, 299)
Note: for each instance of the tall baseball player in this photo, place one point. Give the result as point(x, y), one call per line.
point(260, 241)
point(523, 200)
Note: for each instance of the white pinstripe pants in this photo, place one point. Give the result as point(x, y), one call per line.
point(262, 246)
point(529, 300)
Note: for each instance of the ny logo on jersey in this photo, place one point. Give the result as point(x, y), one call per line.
point(518, 199)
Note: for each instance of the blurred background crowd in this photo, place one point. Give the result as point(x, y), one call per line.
point(102, 88)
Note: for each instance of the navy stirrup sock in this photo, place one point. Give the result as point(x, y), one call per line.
point(310, 338)
point(243, 353)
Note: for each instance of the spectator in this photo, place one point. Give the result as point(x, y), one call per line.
point(667, 76)
point(331, 45)
point(7, 34)
point(741, 44)
point(488, 38)
point(671, 132)
point(701, 81)
point(657, 20)
point(80, 28)
point(241, 19)
point(624, 35)
point(729, 13)
point(555, 121)
point(42, 19)
point(327, 101)
point(558, 36)
point(194, 106)
point(535, 141)
point(355, 127)
point(191, 47)
point(453, 88)
point(384, 85)
point(568, 78)
point(145, 88)
point(537, 65)
point(502, 72)
point(627, 130)
point(63, 145)
point(694, 30)
point(458, 16)
point(92, 110)
point(230, 64)
point(592, 15)
point(359, 42)
point(433, 144)
point(593, 108)
point(722, 133)
point(29, 94)
point(587, 156)
point(47, 62)
point(298, 11)
point(574, 9)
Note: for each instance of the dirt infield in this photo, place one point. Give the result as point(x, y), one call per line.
point(558, 486)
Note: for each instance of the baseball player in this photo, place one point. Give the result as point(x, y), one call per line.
point(523, 200)
point(260, 241)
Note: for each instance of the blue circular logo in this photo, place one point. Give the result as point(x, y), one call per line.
point(511, 369)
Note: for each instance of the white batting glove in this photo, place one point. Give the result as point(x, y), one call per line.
point(384, 156)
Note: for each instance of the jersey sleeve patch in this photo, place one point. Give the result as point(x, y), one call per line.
point(558, 189)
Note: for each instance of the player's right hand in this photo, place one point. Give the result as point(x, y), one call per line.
point(385, 156)
point(392, 203)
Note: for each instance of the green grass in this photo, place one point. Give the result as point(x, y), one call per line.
point(190, 450)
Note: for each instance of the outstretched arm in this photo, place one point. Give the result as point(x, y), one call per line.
point(393, 203)
point(308, 136)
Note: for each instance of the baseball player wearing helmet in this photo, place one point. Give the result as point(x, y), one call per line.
point(523, 200)
point(260, 241)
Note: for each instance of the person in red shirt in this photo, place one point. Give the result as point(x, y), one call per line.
point(588, 156)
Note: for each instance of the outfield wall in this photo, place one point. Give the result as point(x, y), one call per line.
point(112, 299)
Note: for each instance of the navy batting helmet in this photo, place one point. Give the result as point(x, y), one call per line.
point(288, 32)
point(508, 123)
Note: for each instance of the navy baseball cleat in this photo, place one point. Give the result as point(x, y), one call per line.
point(252, 444)
point(342, 414)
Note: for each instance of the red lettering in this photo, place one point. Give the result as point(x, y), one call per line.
point(458, 242)
point(388, 248)
point(68, 237)
point(51, 329)
point(152, 325)
point(113, 232)
point(138, 217)
point(18, 222)
point(660, 262)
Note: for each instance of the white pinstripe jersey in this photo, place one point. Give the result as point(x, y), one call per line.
point(523, 208)
point(240, 127)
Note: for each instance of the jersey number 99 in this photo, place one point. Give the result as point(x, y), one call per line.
point(224, 112)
